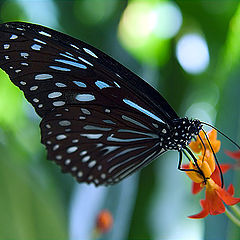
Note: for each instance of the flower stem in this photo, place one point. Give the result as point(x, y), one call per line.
point(232, 217)
point(236, 210)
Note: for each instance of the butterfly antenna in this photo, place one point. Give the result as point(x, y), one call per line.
point(234, 143)
point(215, 157)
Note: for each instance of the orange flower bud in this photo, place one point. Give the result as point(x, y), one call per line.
point(104, 221)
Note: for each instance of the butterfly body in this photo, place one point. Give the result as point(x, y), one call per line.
point(100, 121)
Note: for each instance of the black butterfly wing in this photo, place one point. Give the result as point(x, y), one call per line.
point(99, 144)
point(59, 74)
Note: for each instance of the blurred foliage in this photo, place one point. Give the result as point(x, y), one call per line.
point(35, 196)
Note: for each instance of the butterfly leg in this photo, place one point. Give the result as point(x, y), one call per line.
point(194, 159)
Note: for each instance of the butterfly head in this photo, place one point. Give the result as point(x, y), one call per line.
point(183, 131)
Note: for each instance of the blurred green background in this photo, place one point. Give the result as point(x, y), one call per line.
point(190, 52)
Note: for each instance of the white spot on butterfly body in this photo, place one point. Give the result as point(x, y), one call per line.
point(83, 60)
point(86, 158)
point(84, 97)
point(36, 47)
point(18, 70)
point(55, 147)
point(54, 94)
point(85, 111)
point(58, 103)
point(36, 100)
point(80, 174)
point(7, 57)
point(80, 84)
point(24, 64)
point(58, 84)
point(134, 122)
point(118, 75)
point(92, 136)
point(64, 123)
point(103, 175)
point(24, 54)
point(96, 181)
point(61, 137)
point(43, 76)
point(72, 45)
point(117, 84)
point(40, 105)
point(67, 161)
point(45, 34)
point(40, 41)
point(23, 83)
point(108, 121)
point(90, 177)
point(74, 64)
point(72, 149)
point(60, 68)
point(58, 157)
point(14, 36)
point(74, 169)
point(67, 56)
point(6, 46)
point(84, 152)
point(33, 88)
point(136, 106)
point(91, 127)
point(92, 163)
point(101, 84)
point(90, 52)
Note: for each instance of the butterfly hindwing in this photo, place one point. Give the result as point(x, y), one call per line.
point(99, 144)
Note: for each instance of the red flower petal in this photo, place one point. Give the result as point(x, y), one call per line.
point(234, 155)
point(227, 196)
point(204, 211)
point(230, 189)
point(215, 204)
point(216, 174)
point(196, 188)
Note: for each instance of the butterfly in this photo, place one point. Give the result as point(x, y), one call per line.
point(100, 122)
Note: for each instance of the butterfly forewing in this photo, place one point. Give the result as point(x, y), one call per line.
point(100, 121)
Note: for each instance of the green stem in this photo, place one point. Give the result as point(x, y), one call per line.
point(232, 218)
point(236, 210)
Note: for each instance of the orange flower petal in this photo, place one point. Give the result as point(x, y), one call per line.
point(204, 211)
point(196, 146)
point(227, 197)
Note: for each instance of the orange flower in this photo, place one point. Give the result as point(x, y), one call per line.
point(104, 221)
point(215, 195)
point(198, 147)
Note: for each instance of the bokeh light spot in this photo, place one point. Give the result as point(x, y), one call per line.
point(192, 53)
point(167, 19)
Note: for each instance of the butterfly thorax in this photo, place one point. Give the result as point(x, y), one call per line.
point(179, 134)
